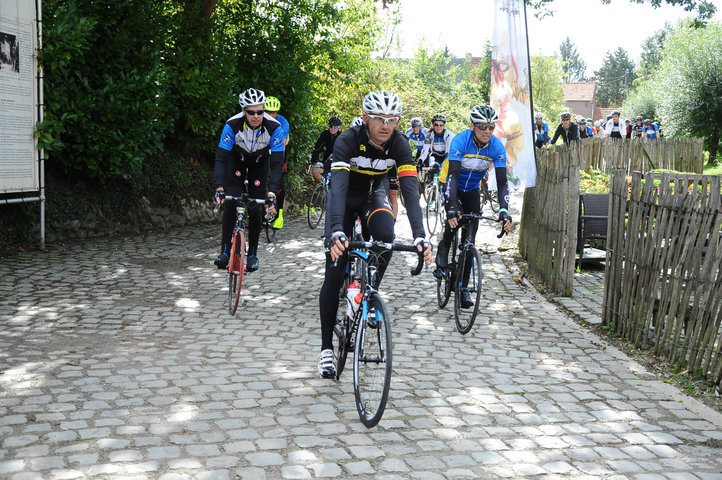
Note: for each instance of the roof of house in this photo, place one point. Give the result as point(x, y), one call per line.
point(579, 91)
point(601, 113)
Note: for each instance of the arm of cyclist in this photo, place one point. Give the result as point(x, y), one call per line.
point(408, 183)
point(224, 156)
point(452, 210)
point(276, 161)
point(503, 191)
point(340, 167)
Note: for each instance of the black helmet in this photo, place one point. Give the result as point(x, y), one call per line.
point(566, 116)
point(647, 121)
point(639, 118)
point(335, 121)
point(616, 112)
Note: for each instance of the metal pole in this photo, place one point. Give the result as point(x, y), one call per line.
point(41, 153)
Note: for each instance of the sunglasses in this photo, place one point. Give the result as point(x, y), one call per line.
point(384, 120)
point(439, 124)
point(251, 113)
point(484, 128)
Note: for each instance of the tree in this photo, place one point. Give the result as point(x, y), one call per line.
point(546, 84)
point(705, 8)
point(614, 78)
point(574, 67)
point(690, 86)
point(651, 56)
point(642, 101)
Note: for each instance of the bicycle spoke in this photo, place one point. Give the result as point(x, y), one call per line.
point(469, 263)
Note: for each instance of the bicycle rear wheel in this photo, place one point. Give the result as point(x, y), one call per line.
point(236, 269)
point(342, 330)
point(443, 287)
point(316, 205)
point(268, 226)
point(433, 204)
point(372, 362)
point(469, 261)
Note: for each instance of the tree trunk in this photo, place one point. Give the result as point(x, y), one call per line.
point(207, 9)
point(713, 144)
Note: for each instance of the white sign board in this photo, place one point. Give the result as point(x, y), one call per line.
point(19, 167)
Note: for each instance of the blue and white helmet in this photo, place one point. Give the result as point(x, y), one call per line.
point(251, 97)
point(382, 102)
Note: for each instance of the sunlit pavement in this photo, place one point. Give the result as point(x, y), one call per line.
point(118, 359)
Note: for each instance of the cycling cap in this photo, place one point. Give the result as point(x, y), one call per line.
point(616, 112)
point(438, 118)
point(251, 97)
point(566, 116)
point(483, 114)
point(357, 121)
point(648, 122)
point(382, 102)
point(335, 121)
point(539, 115)
point(273, 104)
point(639, 118)
point(416, 121)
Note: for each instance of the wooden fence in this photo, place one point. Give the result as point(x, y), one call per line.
point(663, 283)
point(548, 230)
point(642, 155)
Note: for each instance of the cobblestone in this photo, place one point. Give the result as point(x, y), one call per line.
point(119, 360)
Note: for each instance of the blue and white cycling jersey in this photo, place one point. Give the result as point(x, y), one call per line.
point(651, 131)
point(418, 139)
point(268, 136)
point(475, 161)
point(284, 126)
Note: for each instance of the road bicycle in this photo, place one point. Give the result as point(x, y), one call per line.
point(432, 194)
point(237, 260)
point(463, 273)
point(365, 329)
point(271, 231)
point(490, 197)
point(316, 205)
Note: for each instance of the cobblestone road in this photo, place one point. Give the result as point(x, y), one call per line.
point(118, 360)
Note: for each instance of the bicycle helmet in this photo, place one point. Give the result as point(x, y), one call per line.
point(648, 121)
point(416, 122)
point(539, 115)
point(566, 116)
point(357, 121)
point(483, 114)
point(381, 102)
point(335, 121)
point(616, 112)
point(438, 118)
point(579, 118)
point(589, 121)
point(273, 104)
point(251, 97)
point(639, 118)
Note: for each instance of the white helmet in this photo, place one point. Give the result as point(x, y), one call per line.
point(539, 115)
point(483, 114)
point(251, 97)
point(416, 121)
point(357, 121)
point(382, 102)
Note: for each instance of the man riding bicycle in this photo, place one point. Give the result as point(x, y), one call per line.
point(251, 143)
point(436, 145)
point(417, 135)
point(363, 157)
point(472, 153)
point(324, 147)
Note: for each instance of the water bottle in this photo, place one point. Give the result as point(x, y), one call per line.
point(353, 298)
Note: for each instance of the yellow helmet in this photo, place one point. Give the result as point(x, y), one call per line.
point(273, 104)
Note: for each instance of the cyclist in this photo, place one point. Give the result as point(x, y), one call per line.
point(637, 127)
point(251, 143)
point(566, 129)
point(585, 131)
point(273, 105)
point(417, 134)
point(437, 143)
point(650, 130)
point(615, 128)
point(362, 159)
point(541, 131)
point(324, 147)
point(473, 152)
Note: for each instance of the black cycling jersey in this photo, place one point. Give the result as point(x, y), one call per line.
point(572, 133)
point(323, 147)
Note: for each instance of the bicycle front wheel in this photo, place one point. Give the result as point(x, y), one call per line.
point(469, 264)
point(236, 269)
point(433, 204)
point(316, 205)
point(372, 362)
point(443, 288)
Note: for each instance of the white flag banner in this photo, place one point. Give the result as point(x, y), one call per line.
point(510, 91)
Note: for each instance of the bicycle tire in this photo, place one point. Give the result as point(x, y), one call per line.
point(236, 270)
point(316, 205)
point(372, 363)
point(443, 288)
point(271, 232)
point(465, 317)
point(432, 209)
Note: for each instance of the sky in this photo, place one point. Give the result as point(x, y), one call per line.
point(594, 28)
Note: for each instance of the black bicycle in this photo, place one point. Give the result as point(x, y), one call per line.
point(237, 261)
point(271, 231)
point(365, 328)
point(490, 197)
point(463, 274)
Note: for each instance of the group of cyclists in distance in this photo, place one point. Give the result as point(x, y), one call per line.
point(366, 166)
point(613, 127)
